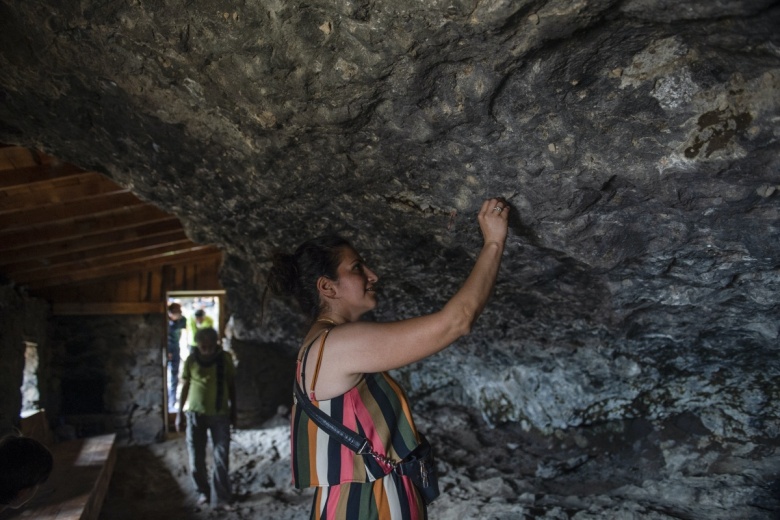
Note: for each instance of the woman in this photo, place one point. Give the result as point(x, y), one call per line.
point(343, 363)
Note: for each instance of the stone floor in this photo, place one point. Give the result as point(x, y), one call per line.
point(630, 470)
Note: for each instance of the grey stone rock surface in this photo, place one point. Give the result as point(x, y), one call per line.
point(636, 141)
point(626, 471)
point(111, 370)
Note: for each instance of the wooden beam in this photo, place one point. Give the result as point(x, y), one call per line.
point(29, 218)
point(78, 228)
point(103, 253)
point(139, 256)
point(30, 175)
point(107, 308)
point(83, 243)
point(16, 157)
point(195, 254)
point(40, 195)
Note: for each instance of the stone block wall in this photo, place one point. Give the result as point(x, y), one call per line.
point(112, 375)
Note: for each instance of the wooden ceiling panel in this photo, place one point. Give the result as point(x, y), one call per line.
point(72, 209)
point(60, 225)
point(75, 229)
point(67, 270)
point(72, 244)
point(37, 196)
point(36, 174)
point(102, 253)
point(197, 253)
point(16, 158)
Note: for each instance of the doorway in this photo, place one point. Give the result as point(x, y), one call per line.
point(199, 309)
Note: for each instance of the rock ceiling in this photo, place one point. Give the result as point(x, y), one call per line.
point(637, 142)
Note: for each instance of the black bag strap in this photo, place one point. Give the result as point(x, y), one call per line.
point(220, 379)
point(352, 440)
point(325, 422)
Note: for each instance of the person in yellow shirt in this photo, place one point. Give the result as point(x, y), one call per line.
point(201, 321)
point(208, 400)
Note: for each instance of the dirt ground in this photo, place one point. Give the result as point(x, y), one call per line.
point(621, 471)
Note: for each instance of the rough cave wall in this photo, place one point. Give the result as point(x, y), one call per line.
point(112, 375)
point(263, 375)
point(637, 141)
point(23, 319)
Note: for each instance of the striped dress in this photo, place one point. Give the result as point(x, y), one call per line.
point(350, 486)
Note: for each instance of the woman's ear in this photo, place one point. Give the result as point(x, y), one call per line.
point(326, 287)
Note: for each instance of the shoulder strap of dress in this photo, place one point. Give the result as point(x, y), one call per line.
point(319, 362)
point(304, 359)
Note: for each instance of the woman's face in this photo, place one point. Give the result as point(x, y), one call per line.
point(355, 284)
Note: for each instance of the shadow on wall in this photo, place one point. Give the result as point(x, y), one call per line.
point(111, 376)
point(264, 377)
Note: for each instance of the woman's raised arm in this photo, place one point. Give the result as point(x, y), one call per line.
point(363, 347)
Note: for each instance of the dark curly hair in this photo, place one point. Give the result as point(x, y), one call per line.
point(297, 274)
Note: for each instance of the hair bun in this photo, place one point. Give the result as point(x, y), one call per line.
point(282, 277)
point(297, 274)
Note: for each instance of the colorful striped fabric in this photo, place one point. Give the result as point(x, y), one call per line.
point(390, 498)
point(350, 485)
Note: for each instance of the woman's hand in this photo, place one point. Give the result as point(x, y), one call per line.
point(357, 348)
point(493, 220)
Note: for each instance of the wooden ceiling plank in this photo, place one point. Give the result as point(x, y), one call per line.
point(107, 308)
point(135, 257)
point(65, 211)
point(33, 174)
point(205, 253)
point(40, 198)
point(83, 243)
point(74, 229)
point(15, 157)
point(62, 226)
point(57, 183)
point(77, 177)
point(174, 240)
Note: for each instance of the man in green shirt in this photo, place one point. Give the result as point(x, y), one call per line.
point(208, 398)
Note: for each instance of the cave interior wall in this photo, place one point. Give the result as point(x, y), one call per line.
point(636, 141)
